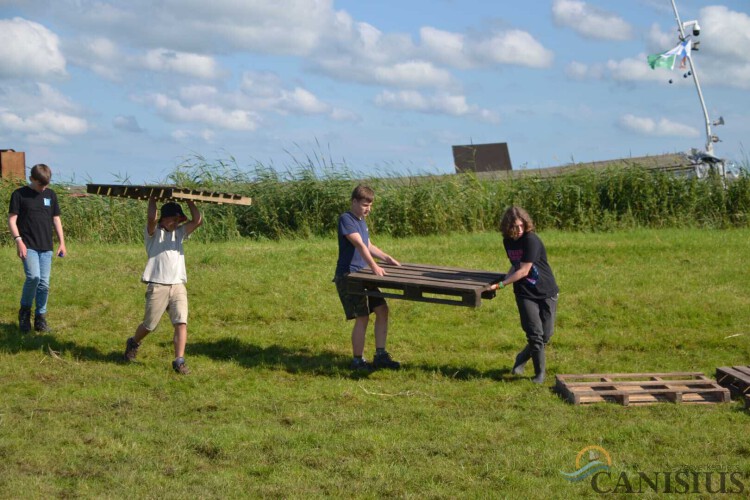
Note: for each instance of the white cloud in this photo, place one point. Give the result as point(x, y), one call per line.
point(661, 128)
point(194, 65)
point(127, 123)
point(440, 103)
point(512, 47)
point(303, 101)
point(589, 21)
point(46, 123)
point(28, 49)
point(175, 111)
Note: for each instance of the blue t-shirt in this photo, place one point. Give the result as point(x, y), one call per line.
point(350, 260)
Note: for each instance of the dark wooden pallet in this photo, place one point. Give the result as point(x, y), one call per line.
point(630, 389)
point(166, 193)
point(734, 378)
point(425, 283)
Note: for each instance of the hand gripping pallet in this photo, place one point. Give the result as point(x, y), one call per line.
point(164, 193)
point(424, 283)
point(641, 388)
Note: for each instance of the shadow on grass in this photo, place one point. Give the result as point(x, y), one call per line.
point(299, 360)
point(13, 341)
point(302, 360)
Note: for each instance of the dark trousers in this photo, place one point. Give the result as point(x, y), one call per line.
point(537, 320)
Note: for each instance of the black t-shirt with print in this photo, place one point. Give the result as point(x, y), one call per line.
point(35, 211)
point(540, 282)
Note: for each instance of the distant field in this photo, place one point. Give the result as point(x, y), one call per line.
point(272, 410)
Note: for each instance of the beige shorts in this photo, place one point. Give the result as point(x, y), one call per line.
point(165, 298)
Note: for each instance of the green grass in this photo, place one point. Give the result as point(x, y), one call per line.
point(271, 409)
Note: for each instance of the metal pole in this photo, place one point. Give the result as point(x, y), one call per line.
point(709, 137)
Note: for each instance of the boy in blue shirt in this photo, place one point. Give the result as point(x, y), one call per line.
point(355, 252)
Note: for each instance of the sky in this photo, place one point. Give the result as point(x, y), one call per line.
point(110, 91)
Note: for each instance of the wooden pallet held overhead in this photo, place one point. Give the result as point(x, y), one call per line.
point(734, 378)
point(425, 283)
point(630, 389)
point(164, 193)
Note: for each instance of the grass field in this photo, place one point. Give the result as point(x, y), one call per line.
point(271, 409)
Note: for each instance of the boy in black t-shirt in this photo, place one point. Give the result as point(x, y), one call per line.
point(534, 285)
point(32, 215)
point(356, 251)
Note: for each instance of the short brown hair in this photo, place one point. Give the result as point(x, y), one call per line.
point(363, 193)
point(511, 215)
point(41, 173)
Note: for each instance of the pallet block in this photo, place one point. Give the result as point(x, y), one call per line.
point(734, 378)
point(166, 193)
point(631, 389)
point(425, 283)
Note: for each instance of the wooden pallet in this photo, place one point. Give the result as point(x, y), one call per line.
point(734, 378)
point(166, 193)
point(424, 283)
point(630, 389)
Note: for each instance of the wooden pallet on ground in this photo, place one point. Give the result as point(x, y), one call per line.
point(164, 193)
point(734, 378)
point(630, 389)
point(425, 283)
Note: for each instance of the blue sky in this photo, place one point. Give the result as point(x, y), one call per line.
point(105, 90)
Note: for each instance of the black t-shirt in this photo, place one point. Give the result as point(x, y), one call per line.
point(35, 211)
point(540, 282)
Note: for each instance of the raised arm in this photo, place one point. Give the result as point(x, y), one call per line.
point(152, 218)
point(196, 219)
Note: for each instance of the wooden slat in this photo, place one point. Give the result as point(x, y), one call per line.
point(425, 283)
point(650, 388)
point(734, 378)
point(164, 193)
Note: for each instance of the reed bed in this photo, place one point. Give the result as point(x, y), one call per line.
point(306, 199)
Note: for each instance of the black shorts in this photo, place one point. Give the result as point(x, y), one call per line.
point(356, 305)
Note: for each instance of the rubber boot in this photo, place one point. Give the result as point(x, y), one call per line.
point(24, 319)
point(539, 361)
point(521, 359)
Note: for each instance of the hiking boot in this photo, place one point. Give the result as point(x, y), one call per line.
point(24, 319)
point(180, 367)
point(360, 364)
point(131, 349)
point(383, 360)
point(40, 323)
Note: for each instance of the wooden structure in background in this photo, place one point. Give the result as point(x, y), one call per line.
point(12, 164)
point(166, 193)
point(482, 157)
point(735, 378)
point(640, 388)
point(424, 283)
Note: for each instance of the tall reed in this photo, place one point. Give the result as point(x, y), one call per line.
point(306, 199)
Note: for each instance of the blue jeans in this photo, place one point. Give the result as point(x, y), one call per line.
point(37, 266)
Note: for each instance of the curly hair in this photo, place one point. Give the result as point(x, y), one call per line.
point(507, 224)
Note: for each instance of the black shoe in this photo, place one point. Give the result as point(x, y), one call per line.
point(383, 360)
point(360, 364)
point(40, 323)
point(131, 349)
point(24, 319)
point(180, 367)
